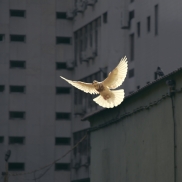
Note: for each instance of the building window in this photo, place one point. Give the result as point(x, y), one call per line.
point(62, 141)
point(17, 89)
point(16, 115)
point(17, 140)
point(16, 166)
point(1, 139)
point(17, 38)
point(85, 38)
point(63, 40)
point(17, 64)
point(62, 167)
point(2, 37)
point(132, 46)
point(131, 73)
point(2, 87)
point(17, 13)
point(76, 47)
point(131, 16)
point(61, 15)
point(63, 116)
point(90, 36)
point(61, 65)
point(148, 24)
point(138, 29)
point(105, 17)
point(156, 9)
point(62, 90)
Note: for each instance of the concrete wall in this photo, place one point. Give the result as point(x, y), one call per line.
point(154, 50)
point(139, 147)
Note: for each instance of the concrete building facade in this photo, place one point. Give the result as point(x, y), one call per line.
point(148, 33)
point(140, 140)
point(35, 109)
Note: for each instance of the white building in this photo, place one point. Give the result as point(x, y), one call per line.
point(80, 40)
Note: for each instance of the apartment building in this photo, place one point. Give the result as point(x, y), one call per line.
point(148, 33)
point(35, 107)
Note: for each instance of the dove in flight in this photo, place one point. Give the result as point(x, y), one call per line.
point(108, 98)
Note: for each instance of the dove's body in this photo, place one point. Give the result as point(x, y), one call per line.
point(103, 90)
point(107, 98)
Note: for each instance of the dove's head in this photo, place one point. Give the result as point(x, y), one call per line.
point(95, 82)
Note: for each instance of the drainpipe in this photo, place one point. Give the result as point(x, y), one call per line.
point(171, 84)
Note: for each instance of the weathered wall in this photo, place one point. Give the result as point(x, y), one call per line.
point(139, 147)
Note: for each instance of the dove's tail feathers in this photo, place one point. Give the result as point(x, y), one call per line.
point(116, 98)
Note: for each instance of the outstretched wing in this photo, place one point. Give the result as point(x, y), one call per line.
point(86, 87)
point(117, 76)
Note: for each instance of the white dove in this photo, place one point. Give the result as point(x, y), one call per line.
point(107, 98)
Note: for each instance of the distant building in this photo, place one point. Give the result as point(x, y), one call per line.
point(140, 140)
point(35, 104)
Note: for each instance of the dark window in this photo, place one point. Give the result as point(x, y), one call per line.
point(96, 35)
point(131, 73)
point(63, 40)
point(156, 9)
point(62, 141)
point(17, 89)
point(90, 36)
point(105, 17)
point(131, 1)
point(16, 140)
point(76, 46)
point(131, 16)
point(62, 90)
point(16, 166)
point(138, 29)
point(16, 115)
point(60, 65)
point(1, 37)
point(132, 46)
point(1, 139)
point(61, 15)
point(17, 13)
point(17, 64)
point(62, 166)
point(17, 38)
point(63, 115)
point(2, 88)
point(148, 24)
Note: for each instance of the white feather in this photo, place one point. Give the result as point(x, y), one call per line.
point(115, 100)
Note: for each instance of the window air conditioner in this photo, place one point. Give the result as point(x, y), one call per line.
point(80, 7)
point(70, 64)
point(91, 2)
point(70, 14)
